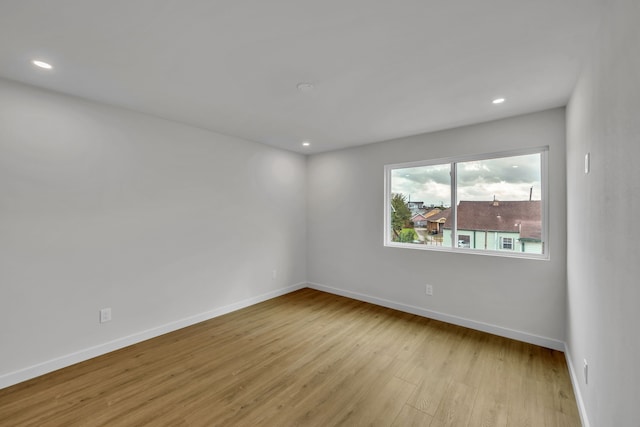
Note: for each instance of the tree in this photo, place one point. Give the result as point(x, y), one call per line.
point(400, 213)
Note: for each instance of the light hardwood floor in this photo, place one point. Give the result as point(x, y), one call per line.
point(310, 359)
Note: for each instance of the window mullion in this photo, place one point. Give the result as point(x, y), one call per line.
point(495, 210)
point(454, 207)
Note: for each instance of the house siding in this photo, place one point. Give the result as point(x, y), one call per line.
point(490, 240)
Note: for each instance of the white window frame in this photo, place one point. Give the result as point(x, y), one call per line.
point(453, 161)
point(511, 243)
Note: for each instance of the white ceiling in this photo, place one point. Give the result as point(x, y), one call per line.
point(381, 69)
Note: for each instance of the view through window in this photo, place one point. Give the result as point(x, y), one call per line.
point(486, 203)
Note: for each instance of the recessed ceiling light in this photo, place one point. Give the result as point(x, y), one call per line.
point(42, 64)
point(306, 144)
point(305, 87)
point(498, 100)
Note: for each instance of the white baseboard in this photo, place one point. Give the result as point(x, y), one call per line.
point(460, 321)
point(582, 409)
point(30, 372)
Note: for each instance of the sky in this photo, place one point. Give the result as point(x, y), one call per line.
point(507, 178)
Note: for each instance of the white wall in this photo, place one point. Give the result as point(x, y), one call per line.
point(604, 223)
point(103, 207)
point(523, 298)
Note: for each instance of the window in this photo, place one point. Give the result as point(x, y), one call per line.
point(492, 204)
point(464, 241)
point(506, 243)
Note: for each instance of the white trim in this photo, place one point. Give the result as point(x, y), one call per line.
point(545, 197)
point(453, 176)
point(469, 158)
point(456, 320)
point(543, 151)
point(483, 252)
point(582, 408)
point(25, 374)
point(387, 203)
point(30, 372)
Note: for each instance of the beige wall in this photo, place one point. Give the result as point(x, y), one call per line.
point(521, 298)
point(603, 222)
point(103, 207)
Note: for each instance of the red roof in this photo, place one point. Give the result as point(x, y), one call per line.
point(515, 216)
point(439, 216)
point(418, 217)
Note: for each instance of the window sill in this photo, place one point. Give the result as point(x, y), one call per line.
point(500, 254)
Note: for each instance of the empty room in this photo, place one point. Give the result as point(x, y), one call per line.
point(319, 213)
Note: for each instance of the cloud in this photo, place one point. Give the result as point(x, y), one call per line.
point(423, 175)
point(508, 178)
point(429, 184)
point(519, 169)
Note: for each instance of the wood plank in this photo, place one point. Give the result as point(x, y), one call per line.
point(456, 405)
point(429, 394)
point(411, 417)
point(307, 358)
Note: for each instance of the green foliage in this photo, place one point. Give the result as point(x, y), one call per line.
point(400, 213)
point(407, 235)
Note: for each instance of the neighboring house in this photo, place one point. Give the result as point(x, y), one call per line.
point(433, 220)
point(415, 207)
point(498, 225)
point(419, 221)
point(431, 212)
point(436, 220)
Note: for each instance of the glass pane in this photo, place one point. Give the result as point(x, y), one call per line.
point(499, 204)
point(420, 204)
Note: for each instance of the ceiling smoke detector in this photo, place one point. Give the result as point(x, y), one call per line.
point(305, 87)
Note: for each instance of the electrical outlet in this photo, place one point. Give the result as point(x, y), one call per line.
point(586, 372)
point(429, 290)
point(105, 315)
point(274, 274)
